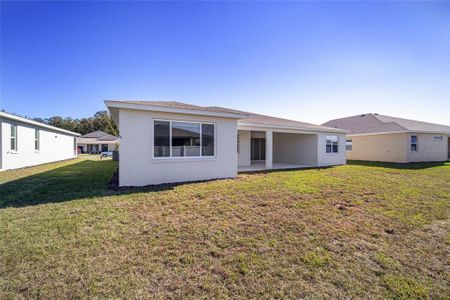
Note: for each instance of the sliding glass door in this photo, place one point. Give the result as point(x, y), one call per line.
point(258, 149)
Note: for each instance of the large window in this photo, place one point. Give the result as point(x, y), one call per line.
point(183, 139)
point(36, 140)
point(13, 137)
point(414, 144)
point(207, 140)
point(348, 145)
point(161, 138)
point(332, 144)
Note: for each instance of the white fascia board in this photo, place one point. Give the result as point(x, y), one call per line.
point(287, 129)
point(132, 106)
point(35, 123)
point(96, 142)
point(401, 131)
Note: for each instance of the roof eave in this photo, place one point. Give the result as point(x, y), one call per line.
point(36, 123)
point(399, 131)
point(134, 106)
point(321, 130)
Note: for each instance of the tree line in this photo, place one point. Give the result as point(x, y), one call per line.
point(100, 121)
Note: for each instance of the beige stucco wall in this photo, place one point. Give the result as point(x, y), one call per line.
point(380, 147)
point(295, 148)
point(395, 147)
point(137, 167)
point(429, 149)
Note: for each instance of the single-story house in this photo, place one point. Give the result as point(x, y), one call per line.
point(97, 142)
point(376, 137)
point(24, 142)
point(165, 142)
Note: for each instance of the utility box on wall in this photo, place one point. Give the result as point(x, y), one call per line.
point(115, 156)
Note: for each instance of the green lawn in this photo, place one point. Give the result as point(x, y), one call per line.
point(363, 230)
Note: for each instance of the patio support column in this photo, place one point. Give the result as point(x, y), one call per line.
point(269, 149)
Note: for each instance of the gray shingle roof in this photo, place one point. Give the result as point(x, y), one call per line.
point(95, 134)
point(100, 136)
point(375, 123)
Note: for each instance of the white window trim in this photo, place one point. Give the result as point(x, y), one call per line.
point(347, 141)
point(184, 158)
point(16, 144)
point(411, 143)
point(238, 144)
point(38, 140)
point(332, 153)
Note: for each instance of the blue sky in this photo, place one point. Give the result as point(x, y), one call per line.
point(310, 61)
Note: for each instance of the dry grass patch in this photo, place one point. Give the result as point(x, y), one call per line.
point(355, 231)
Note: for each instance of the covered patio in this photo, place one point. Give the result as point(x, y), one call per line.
point(268, 149)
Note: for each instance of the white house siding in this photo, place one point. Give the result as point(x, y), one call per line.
point(330, 159)
point(138, 168)
point(429, 148)
point(295, 148)
point(54, 145)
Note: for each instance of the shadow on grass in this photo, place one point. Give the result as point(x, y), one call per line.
point(90, 178)
point(85, 179)
point(267, 171)
point(406, 166)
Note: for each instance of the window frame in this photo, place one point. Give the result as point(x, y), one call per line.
point(16, 144)
point(170, 157)
point(348, 142)
point(416, 143)
point(37, 141)
point(326, 144)
point(238, 144)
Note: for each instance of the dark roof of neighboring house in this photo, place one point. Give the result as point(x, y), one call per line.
point(100, 136)
point(250, 118)
point(375, 123)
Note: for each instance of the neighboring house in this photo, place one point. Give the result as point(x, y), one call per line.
point(97, 142)
point(376, 137)
point(163, 142)
point(25, 142)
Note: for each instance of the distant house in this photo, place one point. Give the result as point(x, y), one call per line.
point(97, 142)
point(25, 142)
point(376, 137)
point(163, 142)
